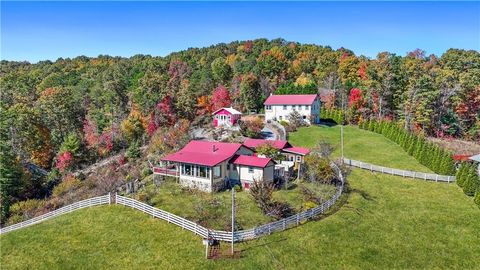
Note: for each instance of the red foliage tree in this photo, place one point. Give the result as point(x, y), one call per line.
point(164, 113)
point(103, 142)
point(356, 98)
point(64, 160)
point(362, 71)
point(91, 134)
point(221, 98)
point(152, 126)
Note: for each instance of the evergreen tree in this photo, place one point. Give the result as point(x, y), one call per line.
point(418, 149)
point(412, 145)
point(472, 182)
point(460, 176)
point(449, 166)
point(436, 159)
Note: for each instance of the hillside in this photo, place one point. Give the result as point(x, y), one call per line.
point(71, 113)
point(387, 222)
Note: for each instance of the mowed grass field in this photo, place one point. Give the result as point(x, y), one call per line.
point(385, 222)
point(359, 144)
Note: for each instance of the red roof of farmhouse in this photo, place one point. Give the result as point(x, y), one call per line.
point(251, 161)
point(204, 153)
point(290, 100)
point(253, 143)
point(297, 150)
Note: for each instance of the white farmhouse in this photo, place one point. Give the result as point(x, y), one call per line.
point(279, 107)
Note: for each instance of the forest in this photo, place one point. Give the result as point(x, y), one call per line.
point(65, 114)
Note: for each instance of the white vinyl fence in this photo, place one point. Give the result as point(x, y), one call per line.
point(105, 199)
point(403, 173)
point(243, 235)
point(226, 236)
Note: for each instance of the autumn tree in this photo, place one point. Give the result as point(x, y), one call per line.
point(221, 98)
point(249, 92)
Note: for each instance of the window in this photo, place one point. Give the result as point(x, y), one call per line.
point(290, 158)
point(299, 158)
point(306, 107)
point(280, 117)
point(202, 171)
point(217, 171)
point(268, 107)
point(284, 107)
point(250, 169)
point(187, 169)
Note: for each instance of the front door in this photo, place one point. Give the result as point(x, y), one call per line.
point(233, 172)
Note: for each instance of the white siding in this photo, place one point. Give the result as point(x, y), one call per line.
point(278, 113)
point(245, 175)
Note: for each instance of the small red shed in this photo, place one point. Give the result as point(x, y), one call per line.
point(226, 117)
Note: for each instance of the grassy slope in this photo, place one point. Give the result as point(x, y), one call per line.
point(360, 145)
point(387, 222)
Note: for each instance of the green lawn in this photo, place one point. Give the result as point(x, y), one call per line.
point(386, 223)
point(359, 144)
point(216, 211)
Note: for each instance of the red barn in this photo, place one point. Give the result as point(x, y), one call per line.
point(226, 117)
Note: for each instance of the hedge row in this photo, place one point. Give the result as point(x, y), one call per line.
point(428, 154)
point(468, 178)
point(336, 115)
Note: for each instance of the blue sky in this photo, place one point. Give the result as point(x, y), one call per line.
point(36, 31)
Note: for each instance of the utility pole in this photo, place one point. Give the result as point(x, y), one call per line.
point(233, 218)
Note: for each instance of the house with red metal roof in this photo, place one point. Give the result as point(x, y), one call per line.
point(209, 166)
point(279, 107)
point(292, 154)
point(226, 117)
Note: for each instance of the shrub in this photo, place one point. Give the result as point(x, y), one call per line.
point(318, 169)
point(133, 150)
point(262, 194)
point(309, 205)
point(279, 210)
point(295, 121)
point(69, 184)
point(146, 171)
point(25, 210)
point(461, 174)
point(251, 128)
point(472, 182)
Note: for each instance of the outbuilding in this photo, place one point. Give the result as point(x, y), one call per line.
point(226, 117)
